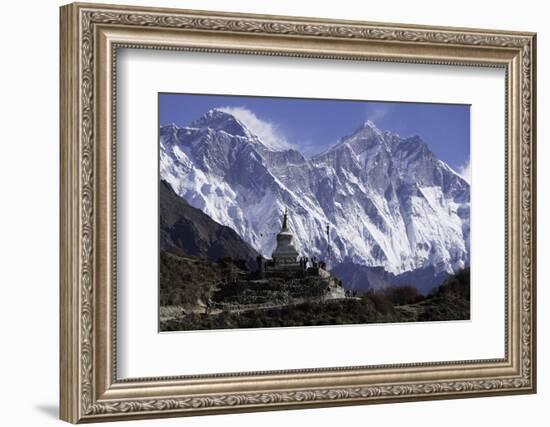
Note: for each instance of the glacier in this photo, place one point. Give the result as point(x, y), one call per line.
point(388, 201)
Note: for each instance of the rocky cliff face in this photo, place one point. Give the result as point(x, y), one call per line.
point(388, 200)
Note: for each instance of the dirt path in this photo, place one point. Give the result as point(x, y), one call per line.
point(175, 312)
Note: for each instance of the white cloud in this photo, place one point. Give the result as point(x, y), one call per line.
point(268, 132)
point(466, 171)
point(376, 112)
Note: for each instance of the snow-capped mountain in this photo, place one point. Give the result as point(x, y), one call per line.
point(388, 200)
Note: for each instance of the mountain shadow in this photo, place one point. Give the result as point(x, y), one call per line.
point(188, 231)
point(361, 278)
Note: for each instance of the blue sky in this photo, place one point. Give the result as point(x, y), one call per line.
point(313, 125)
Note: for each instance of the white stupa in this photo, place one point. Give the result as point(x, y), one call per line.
point(285, 253)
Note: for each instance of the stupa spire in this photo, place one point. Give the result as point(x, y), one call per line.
point(285, 220)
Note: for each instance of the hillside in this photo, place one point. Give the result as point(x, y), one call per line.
point(188, 231)
point(240, 300)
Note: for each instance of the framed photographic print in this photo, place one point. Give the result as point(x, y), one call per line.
point(346, 224)
point(266, 212)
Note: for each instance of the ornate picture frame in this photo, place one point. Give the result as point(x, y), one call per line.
point(90, 37)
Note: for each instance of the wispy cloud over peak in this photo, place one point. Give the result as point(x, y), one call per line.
point(466, 171)
point(269, 132)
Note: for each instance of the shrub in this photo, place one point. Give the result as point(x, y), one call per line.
point(456, 286)
point(400, 295)
point(381, 302)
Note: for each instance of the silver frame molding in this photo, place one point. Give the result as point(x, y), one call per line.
point(90, 37)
